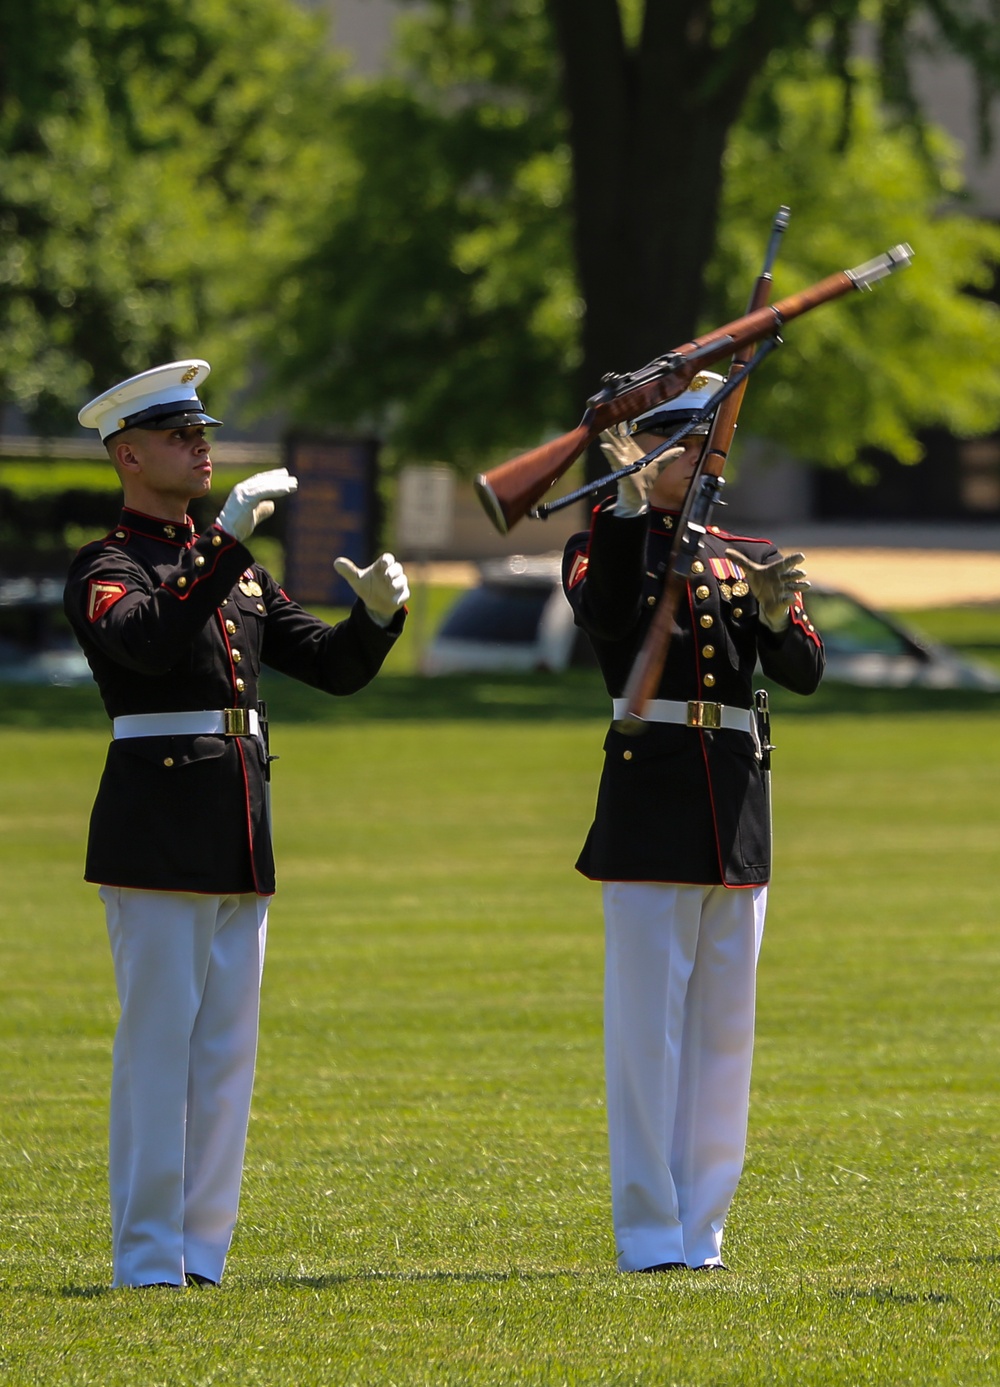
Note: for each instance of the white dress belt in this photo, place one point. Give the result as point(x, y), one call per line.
point(221, 722)
point(709, 716)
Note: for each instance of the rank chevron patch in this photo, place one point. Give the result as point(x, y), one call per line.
point(578, 571)
point(101, 597)
point(725, 569)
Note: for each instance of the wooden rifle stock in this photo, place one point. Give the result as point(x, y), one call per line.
point(644, 677)
point(508, 492)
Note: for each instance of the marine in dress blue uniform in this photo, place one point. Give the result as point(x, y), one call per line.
point(176, 627)
point(681, 840)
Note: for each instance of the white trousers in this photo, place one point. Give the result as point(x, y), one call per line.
point(187, 970)
point(679, 1017)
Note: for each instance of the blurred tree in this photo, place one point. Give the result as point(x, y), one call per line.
point(869, 370)
point(440, 291)
point(153, 165)
point(655, 93)
point(545, 190)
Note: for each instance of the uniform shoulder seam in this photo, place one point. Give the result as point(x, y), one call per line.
point(749, 539)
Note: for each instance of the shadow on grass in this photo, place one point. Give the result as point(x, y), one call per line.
point(573, 696)
point(470, 1278)
point(331, 1279)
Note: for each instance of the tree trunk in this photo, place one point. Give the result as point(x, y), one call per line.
point(648, 130)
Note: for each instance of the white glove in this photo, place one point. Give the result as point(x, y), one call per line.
point(621, 450)
point(774, 585)
point(249, 502)
point(382, 586)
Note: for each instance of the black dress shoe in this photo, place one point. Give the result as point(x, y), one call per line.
point(666, 1266)
point(157, 1285)
point(712, 1266)
point(194, 1278)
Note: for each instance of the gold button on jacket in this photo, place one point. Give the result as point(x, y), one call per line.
point(677, 803)
point(184, 591)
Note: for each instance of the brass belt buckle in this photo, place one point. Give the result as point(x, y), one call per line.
point(236, 722)
point(707, 715)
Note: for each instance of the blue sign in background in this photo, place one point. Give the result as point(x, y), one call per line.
point(333, 513)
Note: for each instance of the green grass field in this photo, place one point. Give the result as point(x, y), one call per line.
point(426, 1197)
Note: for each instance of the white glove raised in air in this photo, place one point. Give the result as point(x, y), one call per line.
point(621, 450)
point(251, 501)
point(773, 584)
point(382, 586)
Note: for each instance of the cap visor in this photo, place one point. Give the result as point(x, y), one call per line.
point(183, 420)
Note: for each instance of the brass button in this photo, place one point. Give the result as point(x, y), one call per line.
point(224, 602)
point(626, 756)
point(701, 592)
point(650, 601)
point(708, 651)
point(668, 522)
point(199, 561)
point(697, 566)
point(737, 612)
point(231, 627)
point(240, 686)
point(168, 760)
point(216, 540)
point(709, 681)
point(261, 607)
point(119, 534)
point(237, 656)
point(182, 582)
point(707, 620)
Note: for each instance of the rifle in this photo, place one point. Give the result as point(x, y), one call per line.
point(702, 495)
point(508, 492)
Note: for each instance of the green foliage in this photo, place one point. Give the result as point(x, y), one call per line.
point(437, 303)
point(868, 370)
point(30, 479)
point(49, 508)
point(151, 165)
point(401, 254)
point(441, 305)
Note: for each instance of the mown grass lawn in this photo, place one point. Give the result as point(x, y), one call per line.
point(426, 1197)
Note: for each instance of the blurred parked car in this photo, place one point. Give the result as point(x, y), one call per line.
point(37, 645)
point(864, 646)
point(517, 618)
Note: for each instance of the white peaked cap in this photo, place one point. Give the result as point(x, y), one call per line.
point(162, 398)
point(673, 413)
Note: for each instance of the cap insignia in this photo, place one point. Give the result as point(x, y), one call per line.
point(189, 375)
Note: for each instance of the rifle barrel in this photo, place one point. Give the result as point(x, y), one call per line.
point(508, 492)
